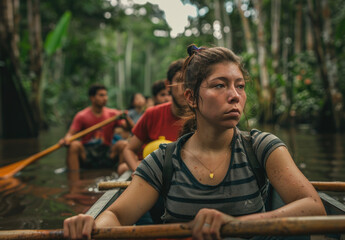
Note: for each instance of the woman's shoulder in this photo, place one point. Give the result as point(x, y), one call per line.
point(265, 142)
point(261, 139)
point(257, 134)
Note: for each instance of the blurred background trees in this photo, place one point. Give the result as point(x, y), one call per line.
point(51, 51)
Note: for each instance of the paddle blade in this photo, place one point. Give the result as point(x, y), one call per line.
point(12, 169)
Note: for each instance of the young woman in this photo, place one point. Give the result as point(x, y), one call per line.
point(137, 106)
point(212, 182)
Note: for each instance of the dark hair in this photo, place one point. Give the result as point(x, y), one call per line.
point(131, 101)
point(198, 66)
point(93, 89)
point(174, 68)
point(157, 87)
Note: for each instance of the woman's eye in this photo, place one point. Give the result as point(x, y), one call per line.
point(219, 86)
point(241, 86)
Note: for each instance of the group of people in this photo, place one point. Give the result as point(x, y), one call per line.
point(212, 181)
point(103, 147)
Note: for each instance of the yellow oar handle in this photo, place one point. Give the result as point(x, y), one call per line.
point(288, 226)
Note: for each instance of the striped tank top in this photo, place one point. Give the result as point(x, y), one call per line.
point(238, 194)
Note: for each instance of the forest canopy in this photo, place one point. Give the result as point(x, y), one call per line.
point(52, 51)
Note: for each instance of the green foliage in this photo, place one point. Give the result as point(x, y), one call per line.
point(55, 38)
point(96, 39)
point(308, 93)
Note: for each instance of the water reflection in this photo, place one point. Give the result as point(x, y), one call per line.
point(44, 193)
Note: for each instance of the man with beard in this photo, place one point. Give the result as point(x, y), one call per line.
point(94, 150)
point(161, 120)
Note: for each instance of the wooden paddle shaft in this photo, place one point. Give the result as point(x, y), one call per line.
point(111, 185)
point(329, 186)
point(10, 170)
point(265, 227)
point(321, 186)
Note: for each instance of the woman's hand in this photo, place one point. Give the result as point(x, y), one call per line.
point(207, 224)
point(78, 227)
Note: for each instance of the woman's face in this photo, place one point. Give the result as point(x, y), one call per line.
point(139, 100)
point(222, 96)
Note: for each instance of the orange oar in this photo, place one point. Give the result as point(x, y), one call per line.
point(10, 170)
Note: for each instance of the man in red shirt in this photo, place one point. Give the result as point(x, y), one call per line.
point(161, 120)
point(94, 150)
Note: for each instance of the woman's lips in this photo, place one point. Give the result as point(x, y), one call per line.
point(233, 113)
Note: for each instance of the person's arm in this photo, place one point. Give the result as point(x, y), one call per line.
point(296, 191)
point(64, 141)
point(75, 127)
point(130, 152)
point(136, 200)
point(128, 124)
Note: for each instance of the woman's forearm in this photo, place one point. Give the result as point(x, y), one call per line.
point(303, 207)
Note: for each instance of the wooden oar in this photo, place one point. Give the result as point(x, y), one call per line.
point(112, 185)
point(321, 186)
point(10, 170)
point(288, 226)
point(329, 186)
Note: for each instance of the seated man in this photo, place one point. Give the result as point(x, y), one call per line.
point(160, 120)
point(93, 150)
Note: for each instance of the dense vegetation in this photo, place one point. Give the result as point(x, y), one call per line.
point(51, 51)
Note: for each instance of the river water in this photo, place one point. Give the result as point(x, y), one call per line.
point(43, 194)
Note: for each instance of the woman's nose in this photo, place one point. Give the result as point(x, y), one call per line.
point(233, 95)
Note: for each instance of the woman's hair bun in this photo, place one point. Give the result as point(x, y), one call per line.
point(192, 49)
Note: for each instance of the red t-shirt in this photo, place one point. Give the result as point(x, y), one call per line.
point(85, 119)
point(157, 121)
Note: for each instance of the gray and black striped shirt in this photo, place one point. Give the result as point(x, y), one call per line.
point(238, 194)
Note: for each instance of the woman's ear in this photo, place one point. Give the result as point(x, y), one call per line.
point(188, 95)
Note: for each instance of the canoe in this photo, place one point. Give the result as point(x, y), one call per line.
point(330, 227)
point(332, 206)
point(108, 197)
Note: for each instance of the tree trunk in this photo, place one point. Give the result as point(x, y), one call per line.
point(120, 71)
point(218, 17)
point(309, 35)
point(248, 38)
point(16, 115)
point(227, 24)
point(331, 64)
point(265, 97)
point(129, 50)
point(35, 54)
point(298, 28)
point(331, 114)
point(276, 10)
point(148, 73)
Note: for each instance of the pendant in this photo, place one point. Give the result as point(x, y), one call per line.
point(211, 175)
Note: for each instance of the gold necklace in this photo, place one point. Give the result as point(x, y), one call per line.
point(211, 175)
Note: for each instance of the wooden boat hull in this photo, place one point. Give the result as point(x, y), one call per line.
point(332, 206)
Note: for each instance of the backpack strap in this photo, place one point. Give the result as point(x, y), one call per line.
point(167, 171)
point(258, 170)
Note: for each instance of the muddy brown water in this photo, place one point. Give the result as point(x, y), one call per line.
point(43, 194)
